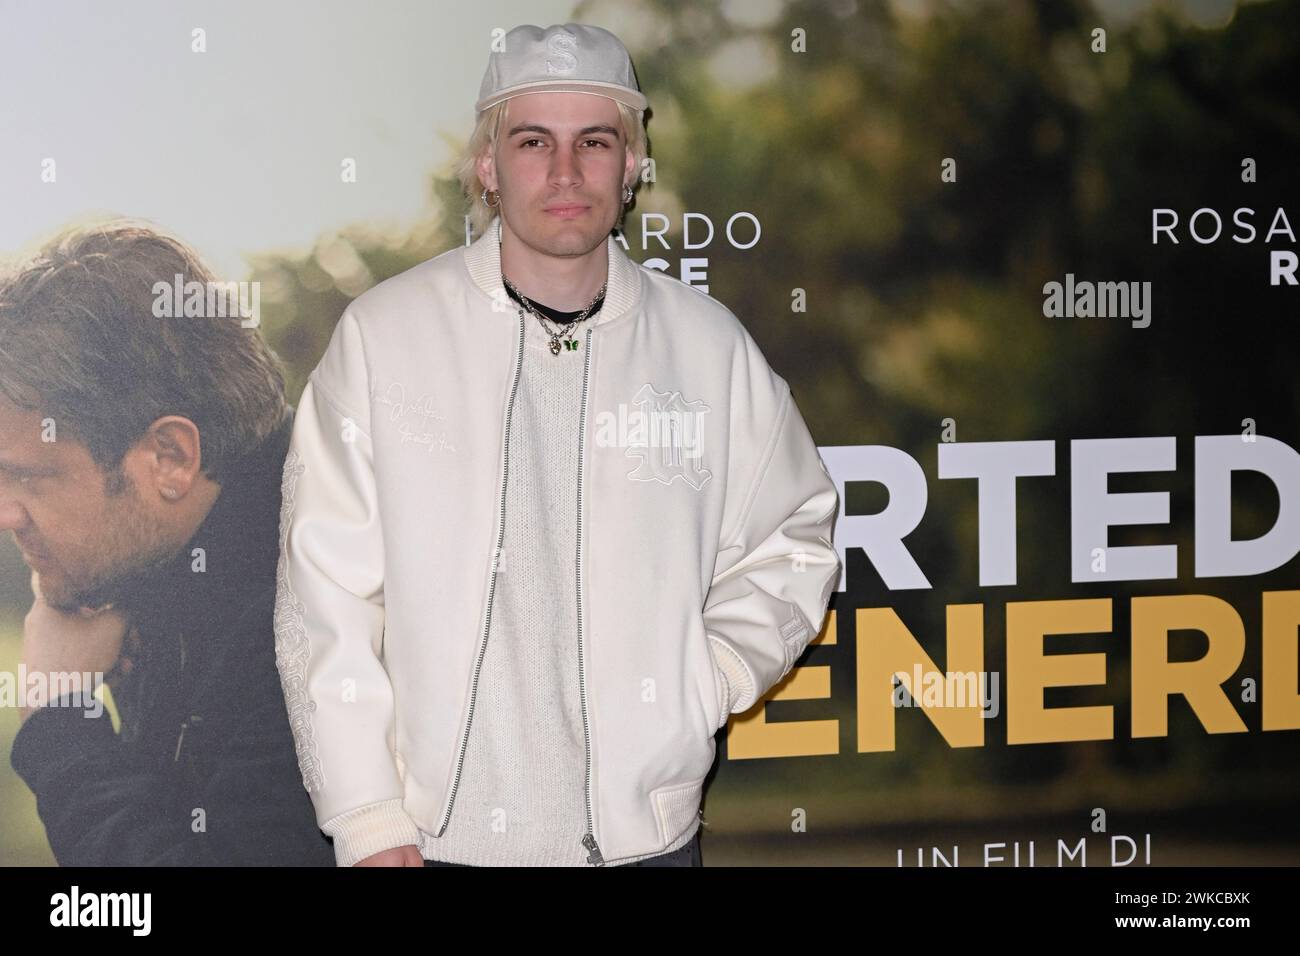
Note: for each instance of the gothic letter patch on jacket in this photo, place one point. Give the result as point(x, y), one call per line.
point(664, 431)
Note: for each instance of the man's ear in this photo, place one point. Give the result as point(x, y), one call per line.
point(487, 173)
point(173, 456)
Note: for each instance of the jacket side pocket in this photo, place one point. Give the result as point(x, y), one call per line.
point(676, 808)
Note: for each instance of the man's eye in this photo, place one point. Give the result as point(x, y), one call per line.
point(599, 142)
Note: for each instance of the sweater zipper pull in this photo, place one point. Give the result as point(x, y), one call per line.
point(589, 841)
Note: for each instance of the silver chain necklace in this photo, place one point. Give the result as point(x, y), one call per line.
point(557, 335)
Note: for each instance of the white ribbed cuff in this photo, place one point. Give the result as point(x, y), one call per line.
point(371, 829)
point(733, 681)
point(724, 696)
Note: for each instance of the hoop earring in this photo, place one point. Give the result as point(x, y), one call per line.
point(627, 194)
point(491, 205)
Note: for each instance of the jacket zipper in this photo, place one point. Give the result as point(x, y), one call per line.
point(190, 721)
point(487, 617)
point(180, 673)
point(589, 840)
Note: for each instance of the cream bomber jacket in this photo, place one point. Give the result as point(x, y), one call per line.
point(704, 548)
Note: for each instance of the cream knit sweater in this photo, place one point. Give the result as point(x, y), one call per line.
point(521, 798)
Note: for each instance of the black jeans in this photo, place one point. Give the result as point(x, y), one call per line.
point(688, 854)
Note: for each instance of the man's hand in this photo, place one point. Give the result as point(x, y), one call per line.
point(397, 856)
point(65, 645)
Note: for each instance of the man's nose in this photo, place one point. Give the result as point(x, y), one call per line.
point(12, 515)
point(565, 168)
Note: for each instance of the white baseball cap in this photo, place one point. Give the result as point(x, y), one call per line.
point(567, 58)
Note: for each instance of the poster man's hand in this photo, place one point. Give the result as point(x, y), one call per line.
point(66, 645)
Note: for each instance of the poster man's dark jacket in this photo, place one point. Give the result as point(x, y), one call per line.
point(203, 771)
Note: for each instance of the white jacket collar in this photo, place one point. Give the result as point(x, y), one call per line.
point(483, 257)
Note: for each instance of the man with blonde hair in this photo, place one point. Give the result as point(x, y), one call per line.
point(550, 516)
